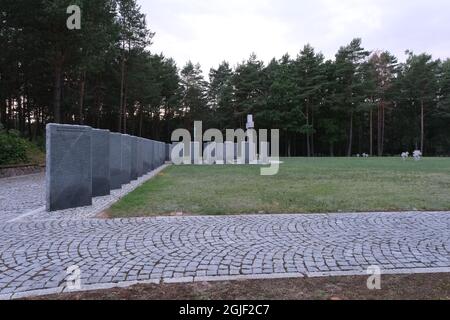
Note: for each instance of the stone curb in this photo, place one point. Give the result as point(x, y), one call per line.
point(91, 211)
point(102, 286)
point(143, 180)
point(383, 272)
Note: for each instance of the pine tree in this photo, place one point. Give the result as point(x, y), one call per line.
point(420, 85)
point(380, 82)
point(194, 94)
point(220, 95)
point(310, 81)
point(349, 71)
point(249, 91)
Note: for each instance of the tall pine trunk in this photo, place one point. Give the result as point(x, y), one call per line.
point(371, 131)
point(141, 119)
point(3, 112)
point(288, 146)
point(81, 102)
point(379, 131)
point(422, 126)
point(29, 129)
point(125, 108)
point(8, 112)
point(308, 146)
point(122, 88)
point(57, 90)
point(382, 127)
point(98, 102)
point(122, 83)
point(312, 132)
point(350, 136)
point(21, 114)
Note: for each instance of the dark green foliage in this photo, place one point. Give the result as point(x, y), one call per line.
point(13, 149)
point(105, 76)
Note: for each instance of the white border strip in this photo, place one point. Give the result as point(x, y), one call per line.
point(30, 213)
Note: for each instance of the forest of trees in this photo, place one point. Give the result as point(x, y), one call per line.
point(106, 76)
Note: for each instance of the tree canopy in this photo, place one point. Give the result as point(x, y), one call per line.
point(106, 75)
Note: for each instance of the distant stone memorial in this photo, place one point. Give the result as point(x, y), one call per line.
point(162, 152)
point(177, 153)
point(229, 152)
point(195, 153)
point(157, 154)
point(140, 157)
point(68, 168)
point(264, 152)
point(169, 148)
point(83, 163)
point(246, 153)
point(150, 151)
point(252, 157)
point(237, 152)
point(220, 153)
point(145, 163)
point(100, 163)
point(154, 154)
point(126, 158)
point(134, 157)
point(115, 160)
point(241, 152)
point(210, 153)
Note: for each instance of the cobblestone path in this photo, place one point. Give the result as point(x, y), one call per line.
point(36, 247)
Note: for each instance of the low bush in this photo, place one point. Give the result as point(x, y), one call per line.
point(13, 149)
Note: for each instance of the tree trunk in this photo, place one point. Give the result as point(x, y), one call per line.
point(312, 133)
point(122, 83)
point(331, 149)
point(81, 102)
point(382, 127)
point(371, 132)
point(289, 147)
point(8, 109)
point(379, 130)
point(3, 112)
point(57, 90)
point(30, 133)
point(99, 96)
point(422, 127)
point(361, 150)
point(21, 114)
point(125, 110)
point(141, 116)
point(350, 136)
point(37, 115)
point(308, 146)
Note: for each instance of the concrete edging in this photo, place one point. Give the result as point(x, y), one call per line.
point(102, 286)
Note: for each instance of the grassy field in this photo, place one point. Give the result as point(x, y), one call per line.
point(302, 185)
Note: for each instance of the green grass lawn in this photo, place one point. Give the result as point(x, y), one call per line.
point(302, 185)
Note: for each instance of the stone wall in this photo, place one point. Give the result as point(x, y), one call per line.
point(83, 163)
point(19, 170)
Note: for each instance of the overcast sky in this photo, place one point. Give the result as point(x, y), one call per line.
point(210, 31)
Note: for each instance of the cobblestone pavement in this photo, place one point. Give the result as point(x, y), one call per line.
point(37, 249)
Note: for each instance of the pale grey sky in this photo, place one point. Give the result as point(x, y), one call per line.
point(210, 31)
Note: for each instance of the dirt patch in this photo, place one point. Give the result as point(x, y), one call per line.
point(106, 214)
point(409, 287)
